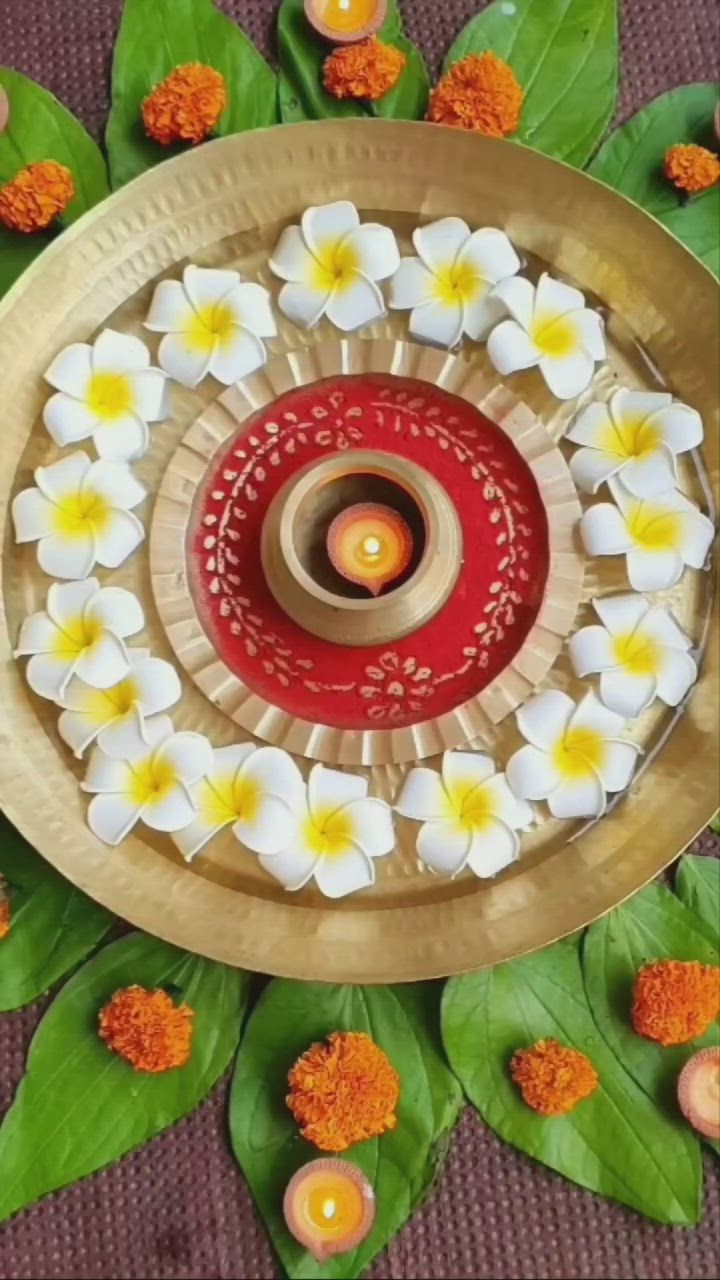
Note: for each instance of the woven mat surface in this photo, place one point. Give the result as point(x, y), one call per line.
point(179, 1209)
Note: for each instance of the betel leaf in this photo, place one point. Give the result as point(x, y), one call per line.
point(631, 161)
point(654, 925)
point(565, 56)
point(53, 925)
point(80, 1107)
point(697, 884)
point(41, 128)
point(302, 53)
point(616, 1142)
point(155, 37)
point(401, 1165)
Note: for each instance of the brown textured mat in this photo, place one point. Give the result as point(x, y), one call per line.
point(179, 1208)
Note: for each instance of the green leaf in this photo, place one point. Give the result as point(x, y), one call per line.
point(401, 1165)
point(565, 56)
point(697, 884)
point(616, 1142)
point(41, 128)
point(156, 36)
point(631, 161)
point(52, 926)
point(409, 99)
point(715, 824)
point(654, 925)
point(80, 1107)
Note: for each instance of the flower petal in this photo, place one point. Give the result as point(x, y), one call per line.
point(112, 607)
point(618, 765)
point(544, 719)
point(276, 773)
point(591, 649)
point(115, 482)
point(651, 473)
point(78, 730)
point(355, 305)
point(591, 332)
point(481, 316)
point(66, 601)
point(493, 849)
point(115, 352)
point(412, 285)
point(663, 627)
point(590, 468)
point(438, 243)
point(192, 838)
point(490, 254)
point(33, 515)
point(63, 477)
point(206, 286)
point(583, 798)
point(68, 419)
point(678, 672)
point(444, 846)
point(271, 829)
point(328, 223)
point(553, 298)
point(188, 754)
point(112, 817)
point(103, 663)
point(291, 259)
point(293, 867)
point(567, 376)
point(71, 369)
point(336, 877)
point(62, 557)
point(376, 249)
point(107, 776)
point(119, 536)
point(626, 693)
point(173, 812)
point(621, 614)
point(635, 406)
point(303, 303)
point(119, 738)
point(227, 760)
point(329, 789)
point(505, 805)
point(157, 683)
point(439, 323)
point(422, 796)
point(594, 427)
point(697, 533)
point(239, 356)
point(372, 822)
point(38, 634)
point(604, 531)
point(532, 774)
point(654, 570)
point(591, 714)
point(462, 771)
point(510, 348)
point(518, 297)
point(150, 392)
point(48, 673)
point(169, 308)
point(178, 357)
point(122, 441)
point(253, 305)
point(679, 426)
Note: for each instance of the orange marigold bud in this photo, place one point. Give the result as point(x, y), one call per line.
point(343, 1091)
point(552, 1077)
point(692, 169)
point(4, 908)
point(186, 106)
point(147, 1029)
point(675, 1000)
point(368, 69)
point(480, 92)
point(36, 196)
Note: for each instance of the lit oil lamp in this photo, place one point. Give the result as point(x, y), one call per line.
point(699, 1092)
point(369, 544)
point(345, 21)
point(329, 1207)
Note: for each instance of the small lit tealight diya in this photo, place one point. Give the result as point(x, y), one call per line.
point(699, 1092)
point(329, 1207)
point(345, 21)
point(369, 544)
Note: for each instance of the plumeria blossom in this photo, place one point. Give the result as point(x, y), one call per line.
point(106, 391)
point(469, 813)
point(659, 535)
point(151, 783)
point(551, 328)
point(81, 632)
point(635, 436)
point(114, 717)
point(640, 652)
point(257, 791)
point(339, 830)
point(447, 287)
point(214, 323)
point(575, 754)
point(80, 515)
point(331, 264)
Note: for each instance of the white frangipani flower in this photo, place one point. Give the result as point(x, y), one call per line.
point(659, 535)
point(257, 791)
point(469, 814)
point(106, 391)
point(550, 327)
point(339, 829)
point(80, 515)
point(640, 652)
point(635, 436)
point(80, 632)
point(331, 264)
point(151, 783)
point(448, 286)
point(575, 754)
point(214, 323)
point(116, 716)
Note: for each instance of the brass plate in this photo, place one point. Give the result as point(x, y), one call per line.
point(224, 205)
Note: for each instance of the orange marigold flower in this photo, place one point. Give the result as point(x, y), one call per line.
point(480, 92)
point(675, 1000)
point(186, 106)
point(552, 1077)
point(36, 196)
point(147, 1029)
point(692, 169)
point(368, 69)
point(343, 1091)
point(4, 908)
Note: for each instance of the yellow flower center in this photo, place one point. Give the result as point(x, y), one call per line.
point(79, 514)
point(77, 634)
point(110, 395)
point(152, 780)
point(469, 805)
point(579, 754)
point(630, 438)
point(225, 798)
point(554, 336)
point(212, 324)
point(459, 283)
point(653, 528)
point(337, 264)
point(328, 832)
point(638, 654)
